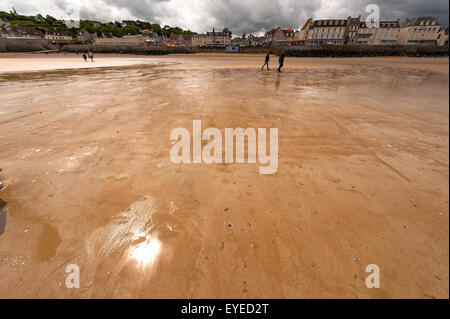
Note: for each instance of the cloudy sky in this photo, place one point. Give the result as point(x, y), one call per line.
point(238, 15)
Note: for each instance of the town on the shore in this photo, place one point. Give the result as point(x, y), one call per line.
point(426, 31)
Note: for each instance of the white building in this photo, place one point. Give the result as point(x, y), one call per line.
point(323, 32)
point(420, 31)
point(125, 40)
point(443, 37)
point(386, 34)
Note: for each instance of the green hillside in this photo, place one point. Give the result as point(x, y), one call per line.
point(115, 28)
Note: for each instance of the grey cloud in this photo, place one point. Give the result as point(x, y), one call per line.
point(402, 9)
point(261, 15)
point(238, 15)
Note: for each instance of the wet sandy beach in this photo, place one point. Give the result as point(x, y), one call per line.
point(362, 179)
point(28, 62)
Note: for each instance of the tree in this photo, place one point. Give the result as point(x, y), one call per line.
point(50, 20)
point(131, 29)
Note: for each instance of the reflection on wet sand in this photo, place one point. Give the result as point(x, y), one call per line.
point(146, 252)
point(2, 217)
point(128, 228)
point(363, 178)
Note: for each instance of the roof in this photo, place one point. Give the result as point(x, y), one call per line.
point(285, 31)
point(330, 22)
point(419, 21)
point(225, 32)
point(390, 24)
point(56, 32)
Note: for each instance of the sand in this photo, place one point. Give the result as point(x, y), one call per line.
point(362, 178)
point(28, 62)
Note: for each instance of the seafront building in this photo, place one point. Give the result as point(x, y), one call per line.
point(420, 31)
point(212, 39)
point(219, 39)
point(354, 25)
point(324, 32)
point(443, 37)
point(57, 35)
point(199, 40)
point(125, 40)
point(248, 41)
point(386, 34)
point(365, 35)
point(180, 39)
point(278, 37)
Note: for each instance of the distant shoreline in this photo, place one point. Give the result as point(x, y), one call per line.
point(11, 46)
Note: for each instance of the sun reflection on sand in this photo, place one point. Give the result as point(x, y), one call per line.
point(146, 252)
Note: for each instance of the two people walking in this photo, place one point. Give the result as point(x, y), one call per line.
point(90, 55)
point(280, 60)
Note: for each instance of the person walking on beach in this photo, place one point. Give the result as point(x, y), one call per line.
point(91, 55)
point(281, 61)
point(85, 57)
point(267, 62)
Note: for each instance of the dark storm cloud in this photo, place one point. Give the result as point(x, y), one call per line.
point(262, 15)
point(411, 8)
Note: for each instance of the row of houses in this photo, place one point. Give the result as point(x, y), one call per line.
point(7, 30)
point(354, 31)
point(350, 31)
point(209, 39)
point(417, 31)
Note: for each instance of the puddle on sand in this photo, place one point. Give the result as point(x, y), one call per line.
point(49, 241)
point(129, 231)
point(2, 221)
